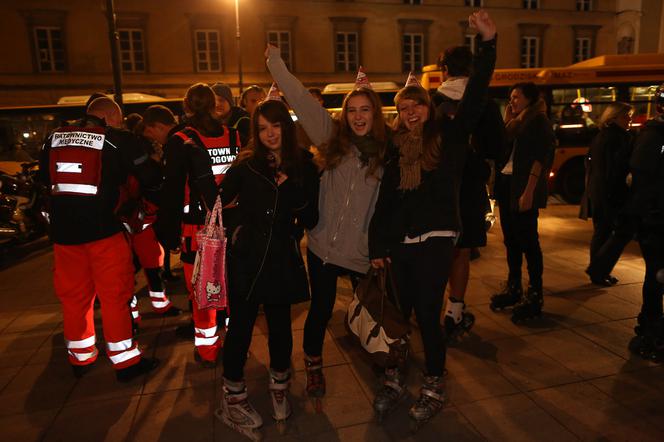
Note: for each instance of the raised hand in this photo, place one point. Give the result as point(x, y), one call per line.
point(271, 50)
point(484, 24)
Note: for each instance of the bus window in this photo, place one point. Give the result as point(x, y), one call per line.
point(641, 99)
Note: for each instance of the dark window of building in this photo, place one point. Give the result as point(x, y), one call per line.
point(582, 49)
point(530, 51)
point(346, 51)
point(474, 3)
point(584, 5)
point(208, 53)
point(413, 52)
point(132, 50)
point(282, 40)
point(530, 4)
point(50, 49)
point(412, 2)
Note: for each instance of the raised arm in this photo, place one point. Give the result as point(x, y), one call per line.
point(314, 118)
point(474, 99)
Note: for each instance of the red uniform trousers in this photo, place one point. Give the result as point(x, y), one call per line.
point(206, 337)
point(150, 256)
point(102, 268)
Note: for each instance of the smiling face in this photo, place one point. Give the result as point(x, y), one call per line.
point(269, 133)
point(412, 113)
point(518, 101)
point(359, 114)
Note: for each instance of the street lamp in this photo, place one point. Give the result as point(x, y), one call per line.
point(239, 51)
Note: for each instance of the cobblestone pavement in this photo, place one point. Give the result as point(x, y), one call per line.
point(566, 376)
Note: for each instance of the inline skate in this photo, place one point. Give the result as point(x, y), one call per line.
point(509, 296)
point(430, 402)
point(457, 320)
point(649, 340)
point(530, 305)
point(315, 380)
point(279, 386)
point(237, 412)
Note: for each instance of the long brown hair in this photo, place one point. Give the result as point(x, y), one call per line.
point(340, 145)
point(199, 104)
point(292, 155)
point(430, 135)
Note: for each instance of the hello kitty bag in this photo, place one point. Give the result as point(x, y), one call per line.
point(209, 275)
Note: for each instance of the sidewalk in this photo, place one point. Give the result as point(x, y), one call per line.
point(567, 376)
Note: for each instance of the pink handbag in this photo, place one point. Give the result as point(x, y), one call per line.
point(209, 275)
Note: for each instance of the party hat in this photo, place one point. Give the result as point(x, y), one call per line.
point(274, 94)
point(362, 80)
point(412, 80)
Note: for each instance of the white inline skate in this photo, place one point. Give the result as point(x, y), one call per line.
point(457, 320)
point(237, 412)
point(279, 386)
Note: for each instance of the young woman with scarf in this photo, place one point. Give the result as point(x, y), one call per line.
point(275, 186)
point(417, 220)
point(521, 190)
point(351, 149)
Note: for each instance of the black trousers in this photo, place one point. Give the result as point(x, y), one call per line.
point(520, 237)
point(240, 331)
point(421, 271)
point(611, 234)
point(323, 278)
point(651, 241)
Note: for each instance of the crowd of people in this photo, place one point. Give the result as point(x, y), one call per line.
point(411, 196)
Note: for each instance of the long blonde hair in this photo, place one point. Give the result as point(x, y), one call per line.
point(431, 143)
point(614, 111)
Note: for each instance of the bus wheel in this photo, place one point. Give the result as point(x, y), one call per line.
point(571, 181)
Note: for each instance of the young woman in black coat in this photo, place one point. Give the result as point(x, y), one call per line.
point(607, 170)
point(416, 220)
point(275, 188)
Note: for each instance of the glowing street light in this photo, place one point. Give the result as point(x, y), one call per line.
point(239, 51)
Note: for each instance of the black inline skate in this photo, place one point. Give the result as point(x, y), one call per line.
point(649, 340)
point(509, 296)
point(457, 320)
point(430, 402)
point(530, 305)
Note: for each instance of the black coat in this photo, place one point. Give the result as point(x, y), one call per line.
point(607, 169)
point(264, 258)
point(534, 142)
point(647, 167)
point(434, 205)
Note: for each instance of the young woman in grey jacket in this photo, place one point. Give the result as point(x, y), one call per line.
point(351, 151)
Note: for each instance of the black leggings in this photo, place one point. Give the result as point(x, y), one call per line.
point(521, 237)
point(611, 234)
point(240, 330)
point(420, 272)
point(323, 277)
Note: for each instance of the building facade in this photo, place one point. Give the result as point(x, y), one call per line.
point(62, 48)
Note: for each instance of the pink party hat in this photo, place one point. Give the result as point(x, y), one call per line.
point(362, 80)
point(412, 80)
point(274, 94)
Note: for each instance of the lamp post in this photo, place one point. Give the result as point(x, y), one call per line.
point(239, 50)
point(115, 54)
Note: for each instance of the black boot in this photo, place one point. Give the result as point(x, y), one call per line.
point(80, 370)
point(510, 295)
point(144, 366)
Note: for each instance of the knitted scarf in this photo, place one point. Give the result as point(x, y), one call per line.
point(367, 145)
point(410, 148)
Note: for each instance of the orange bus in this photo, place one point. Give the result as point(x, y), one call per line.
point(577, 95)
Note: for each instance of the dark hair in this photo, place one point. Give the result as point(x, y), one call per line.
point(529, 90)
point(158, 114)
point(458, 60)
point(275, 111)
point(199, 103)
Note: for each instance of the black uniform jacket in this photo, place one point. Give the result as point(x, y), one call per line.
point(265, 262)
point(434, 205)
point(647, 166)
point(77, 219)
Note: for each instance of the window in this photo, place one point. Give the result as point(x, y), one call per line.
point(49, 48)
point(470, 41)
point(412, 2)
point(529, 52)
point(281, 39)
point(530, 4)
point(584, 5)
point(474, 3)
point(208, 57)
point(346, 51)
point(413, 52)
point(582, 49)
point(132, 50)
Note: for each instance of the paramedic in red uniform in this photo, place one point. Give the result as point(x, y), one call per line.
point(84, 166)
point(195, 160)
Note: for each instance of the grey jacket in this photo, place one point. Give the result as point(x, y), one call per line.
point(347, 196)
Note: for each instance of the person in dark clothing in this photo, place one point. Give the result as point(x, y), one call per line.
point(607, 170)
point(251, 97)
point(85, 166)
point(195, 161)
point(231, 115)
point(275, 186)
point(520, 192)
point(647, 167)
point(486, 142)
point(416, 219)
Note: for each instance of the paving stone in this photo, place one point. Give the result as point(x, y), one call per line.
point(26, 427)
point(44, 317)
point(177, 369)
point(615, 337)
point(514, 418)
point(591, 414)
point(179, 415)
